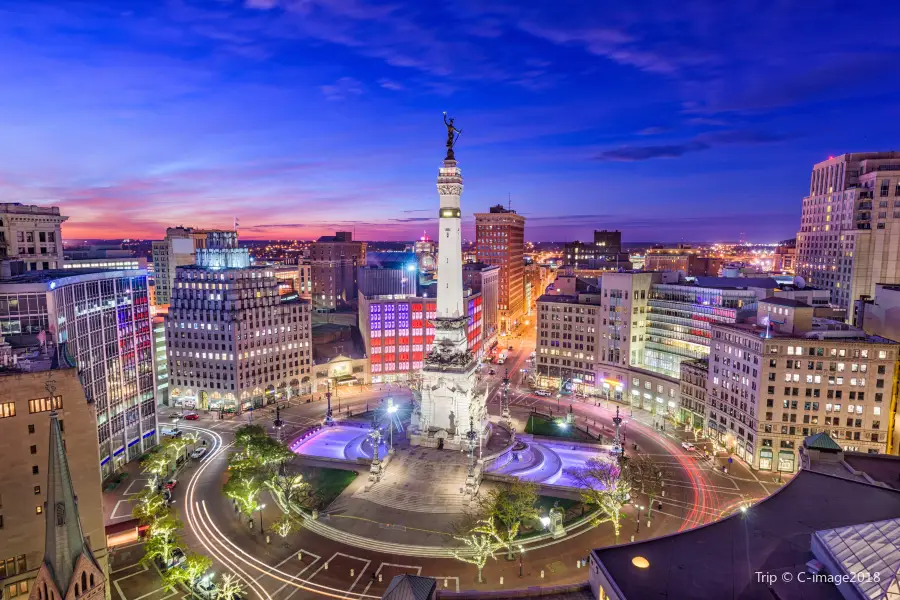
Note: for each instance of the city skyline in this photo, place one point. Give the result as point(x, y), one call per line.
point(687, 125)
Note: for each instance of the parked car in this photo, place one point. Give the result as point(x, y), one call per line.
point(205, 588)
point(191, 416)
point(175, 416)
point(544, 393)
point(688, 446)
point(199, 452)
point(170, 484)
point(176, 560)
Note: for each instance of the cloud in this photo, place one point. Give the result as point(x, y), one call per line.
point(392, 85)
point(653, 131)
point(343, 89)
point(698, 144)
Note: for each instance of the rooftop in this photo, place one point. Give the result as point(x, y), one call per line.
point(52, 275)
point(786, 302)
point(720, 561)
point(821, 328)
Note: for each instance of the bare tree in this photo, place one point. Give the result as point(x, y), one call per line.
point(509, 506)
point(481, 541)
point(601, 484)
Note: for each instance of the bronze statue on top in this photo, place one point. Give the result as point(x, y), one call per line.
point(451, 138)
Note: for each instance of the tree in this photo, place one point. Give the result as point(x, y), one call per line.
point(642, 473)
point(291, 488)
point(245, 491)
point(509, 505)
point(164, 525)
point(175, 446)
point(481, 541)
point(149, 506)
point(230, 588)
point(188, 573)
point(159, 547)
point(157, 464)
point(286, 525)
point(245, 434)
point(601, 484)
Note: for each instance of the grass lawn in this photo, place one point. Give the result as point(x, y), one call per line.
point(328, 483)
point(543, 426)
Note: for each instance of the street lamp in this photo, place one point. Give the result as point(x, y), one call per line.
point(637, 506)
point(391, 410)
point(261, 507)
point(521, 561)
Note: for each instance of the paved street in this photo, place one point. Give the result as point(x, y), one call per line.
point(306, 564)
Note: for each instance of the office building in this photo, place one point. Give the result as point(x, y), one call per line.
point(99, 321)
point(500, 241)
point(32, 234)
point(36, 408)
point(693, 379)
point(233, 342)
point(678, 323)
point(426, 252)
point(849, 238)
point(785, 257)
point(684, 258)
point(334, 260)
point(576, 355)
point(304, 279)
point(398, 332)
point(604, 253)
point(400, 280)
point(789, 375)
point(485, 280)
point(99, 256)
point(160, 359)
point(881, 315)
point(288, 277)
point(181, 247)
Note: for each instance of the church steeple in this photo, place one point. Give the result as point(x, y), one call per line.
point(69, 570)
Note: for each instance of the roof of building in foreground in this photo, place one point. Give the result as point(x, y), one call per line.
point(56, 275)
point(722, 560)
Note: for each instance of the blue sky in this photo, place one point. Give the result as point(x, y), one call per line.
point(668, 120)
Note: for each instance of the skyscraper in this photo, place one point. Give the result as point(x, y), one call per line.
point(849, 236)
point(500, 240)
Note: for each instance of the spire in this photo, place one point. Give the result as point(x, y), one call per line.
point(64, 542)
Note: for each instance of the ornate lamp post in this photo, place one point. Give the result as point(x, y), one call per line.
point(279, 424)
point(329, 417)
point(617, 421)
point(504, 411)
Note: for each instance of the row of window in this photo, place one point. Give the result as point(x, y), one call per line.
point(36, 405)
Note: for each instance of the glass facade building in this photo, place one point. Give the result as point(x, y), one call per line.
point(99, 322)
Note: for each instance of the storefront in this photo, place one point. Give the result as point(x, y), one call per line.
point(786, 461)
point(765, 459)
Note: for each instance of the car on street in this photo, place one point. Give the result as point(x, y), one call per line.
point(492, 372)
point(175, 416)
point(191, 416)
point(205, 588)
point(170, 484)
point(199, 452)
point(544, 393)
point(688, 446)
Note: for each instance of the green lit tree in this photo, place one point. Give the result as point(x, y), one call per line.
point(188, 573)
point(230, 588)
point(157, 464)
point(149, 505)
point(285, 525)
point(245, 491)
point(159, 547)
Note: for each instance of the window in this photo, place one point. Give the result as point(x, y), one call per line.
point(37, 490)
point(34, 449)
point(31, 429)
point(7, 409)
point(39, 405)
point(34, 470)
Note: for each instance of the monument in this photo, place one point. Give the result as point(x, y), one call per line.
point(449, 398)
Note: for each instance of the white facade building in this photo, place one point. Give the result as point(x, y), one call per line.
point(233, 343)
point(32, 234)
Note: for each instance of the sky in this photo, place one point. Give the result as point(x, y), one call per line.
point(672, 121)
